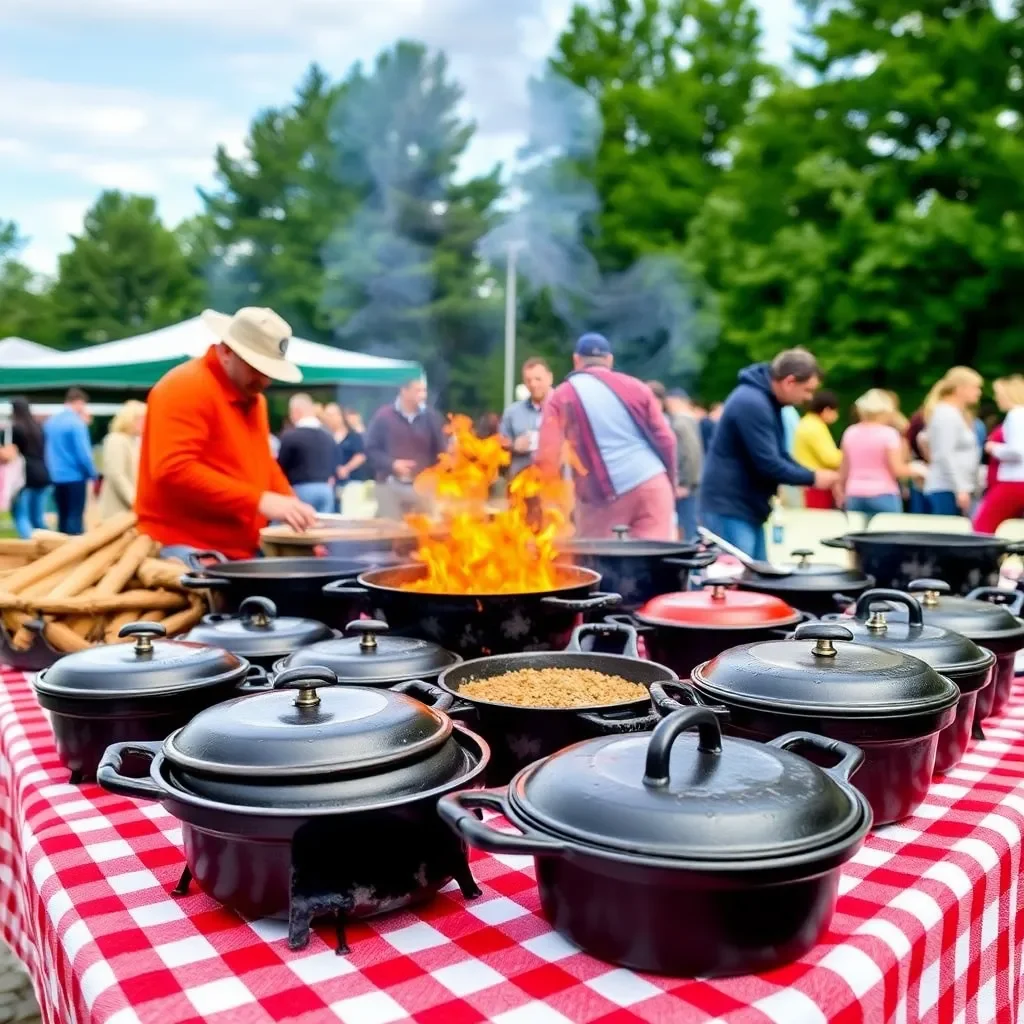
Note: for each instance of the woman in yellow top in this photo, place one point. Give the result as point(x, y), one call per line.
point(814, 447)
point(121, 460)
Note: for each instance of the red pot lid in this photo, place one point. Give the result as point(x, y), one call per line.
point(717, 605)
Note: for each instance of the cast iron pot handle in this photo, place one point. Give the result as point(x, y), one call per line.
point(625, 619)
point(919, 586)
point(623, 630)
point(109, 776)
point(666, 705)
point(862, 610)
point(843, 543)
point(346, 588)
point(1012, 599)
point(456, 810)
point(850, 757)
point(198, 560)
point(659, 750)
point(257, 680)
point(697, 562)
point(599, 599)
point(197, 581)
point(253, 609)
point(427, 693)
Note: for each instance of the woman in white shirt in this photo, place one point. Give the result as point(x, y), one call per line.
point(1005, 498)
point(953, 450)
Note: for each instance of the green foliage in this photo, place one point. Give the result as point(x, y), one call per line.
point(25, 308)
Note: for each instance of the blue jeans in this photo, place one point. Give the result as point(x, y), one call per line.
point(29, 510)
point(70, 501)
point(942, 503)
point(686, 513)
point(918, 502)
point(320, 496)
point(741, 533)
point(876, 503)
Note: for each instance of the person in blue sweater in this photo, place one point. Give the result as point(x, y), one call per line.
point(68, 455)
point(748, 460)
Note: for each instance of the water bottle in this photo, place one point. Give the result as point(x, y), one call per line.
point(778, 530)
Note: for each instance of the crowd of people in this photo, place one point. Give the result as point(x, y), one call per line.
point(196, 465)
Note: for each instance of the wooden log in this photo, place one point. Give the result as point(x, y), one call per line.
point(61, 638)
point(184, 621)
point(113, 582)
point(116, 622)
point(156, 615)
point(71, 552)
point(13, 561)
point(93, 569)
point(129, 600)
point(161, 572)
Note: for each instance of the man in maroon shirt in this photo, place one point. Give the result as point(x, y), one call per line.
point(402, 440)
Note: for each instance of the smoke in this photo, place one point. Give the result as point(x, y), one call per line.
point(647, 311)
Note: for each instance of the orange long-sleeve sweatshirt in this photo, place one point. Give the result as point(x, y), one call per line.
point(205, 461)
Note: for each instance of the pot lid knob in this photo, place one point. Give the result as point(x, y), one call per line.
point(368, 630)
point(824, 633)
point(621, 532)
point(143, 633)
point(874, 618)
point(257, 612)
point(804, 556)
point(666, 732)
point(305, 680)
point(932, 590)
point(718, 587)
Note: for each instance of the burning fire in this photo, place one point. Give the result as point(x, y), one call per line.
point(479, 550)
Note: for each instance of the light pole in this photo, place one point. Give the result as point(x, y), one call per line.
point(513, 250)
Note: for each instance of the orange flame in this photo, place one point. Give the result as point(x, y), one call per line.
point(480, 550)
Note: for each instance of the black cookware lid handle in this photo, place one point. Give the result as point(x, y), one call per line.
point(257, 612)
point(932, 590)
point(368, 630)
point(667, 731)
point(621, 532)
point(804, 554)
point(879, 595)
point(144, 632)
point(718, 585)
point(305, 680)
point(824, 633)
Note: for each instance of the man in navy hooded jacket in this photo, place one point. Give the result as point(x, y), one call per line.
point(748, 460)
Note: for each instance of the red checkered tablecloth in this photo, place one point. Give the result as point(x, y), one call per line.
point(929, 926)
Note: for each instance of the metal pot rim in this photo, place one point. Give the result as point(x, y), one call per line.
point(370, 579)
point(191, 685)
point(795, 619)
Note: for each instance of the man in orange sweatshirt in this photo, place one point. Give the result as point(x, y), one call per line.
point(207, 477)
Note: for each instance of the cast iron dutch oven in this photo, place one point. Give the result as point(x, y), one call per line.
point(951, 654)
point(682, 854)
point(295, 804)
point(682, 630)
point(143, 690)
point(990, 617)
point(257, 633)
point(964, 560)
point(475, 625)
point(889, 704)
point(811, 586)
point(638, 569)
point(519, 735)
point(373, 658)
point(295, 585)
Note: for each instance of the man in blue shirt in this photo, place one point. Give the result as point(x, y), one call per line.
point(68, 457)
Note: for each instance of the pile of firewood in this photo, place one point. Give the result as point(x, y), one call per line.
point(82, 590)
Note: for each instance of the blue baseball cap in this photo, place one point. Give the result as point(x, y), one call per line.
point(592, 344)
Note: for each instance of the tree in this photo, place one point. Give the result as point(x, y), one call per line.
point(873, 215)
point(125, 274)
point(25, 307)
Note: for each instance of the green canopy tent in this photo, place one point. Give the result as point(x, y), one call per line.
point(138, 363)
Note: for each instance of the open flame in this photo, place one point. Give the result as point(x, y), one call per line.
point(478, 549)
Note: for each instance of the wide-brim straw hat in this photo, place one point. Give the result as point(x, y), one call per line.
point(259, 337)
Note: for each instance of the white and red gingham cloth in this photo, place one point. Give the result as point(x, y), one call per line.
point(929, 926)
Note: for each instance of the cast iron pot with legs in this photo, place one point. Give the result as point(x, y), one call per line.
point(682, 852)
point(889, 704)
point(313, 803)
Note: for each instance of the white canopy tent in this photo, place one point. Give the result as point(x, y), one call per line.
point(139, 362)
point(16, 351)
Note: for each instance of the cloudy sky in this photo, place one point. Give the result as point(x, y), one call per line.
point(136, 94)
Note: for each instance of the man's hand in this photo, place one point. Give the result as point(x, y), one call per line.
point(963, 502)
point(682, 492)
point(342, 473)
point(288, 509)
point(826, 479)
point(403, 469)
point(521, 445)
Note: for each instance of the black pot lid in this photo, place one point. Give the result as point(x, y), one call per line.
point(821, 672)
point(982, 620)
point(149, 667)
point(308, 726)
point(686, 792)
point(947, 652)
point(374, 657)
point(623, 546)
point(257, 630)
point(808, 575)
